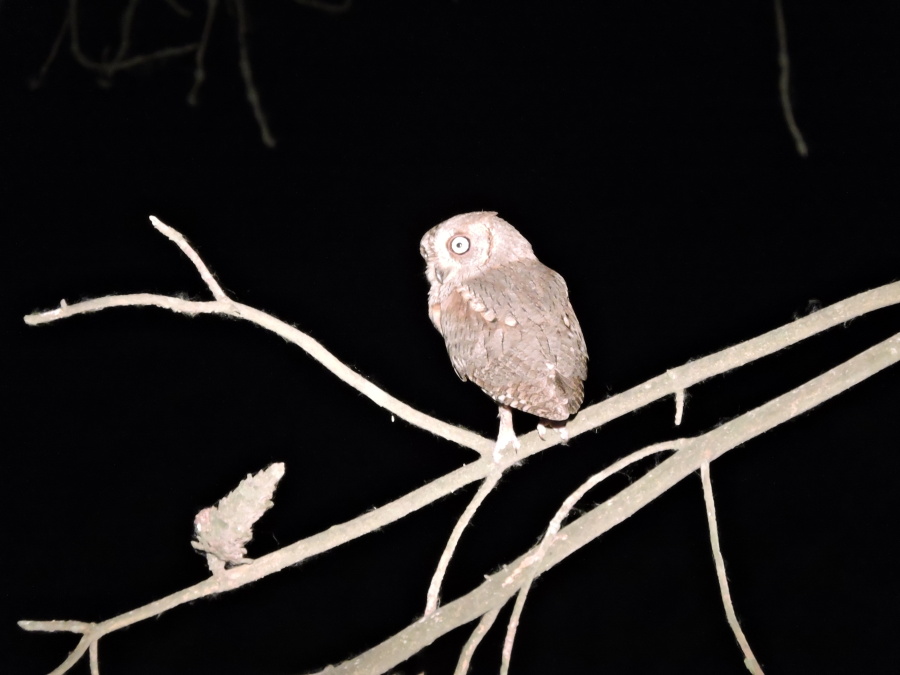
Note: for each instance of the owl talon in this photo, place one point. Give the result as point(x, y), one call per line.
point(559, 427)
point(502, 445)
point(506, 436)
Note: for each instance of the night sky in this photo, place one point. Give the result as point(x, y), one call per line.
point(640, 147)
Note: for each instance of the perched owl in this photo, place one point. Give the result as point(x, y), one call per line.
point(506, 319)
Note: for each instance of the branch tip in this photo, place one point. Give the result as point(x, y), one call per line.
point(679, 407)
point(178, 239)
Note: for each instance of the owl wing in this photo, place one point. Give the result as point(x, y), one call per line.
point(513, 332)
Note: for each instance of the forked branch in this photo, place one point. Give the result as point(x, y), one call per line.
point(499, 587)
point(691, 454)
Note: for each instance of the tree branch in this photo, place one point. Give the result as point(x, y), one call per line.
point(749, 659)
point(499, 587)
point(784, 82)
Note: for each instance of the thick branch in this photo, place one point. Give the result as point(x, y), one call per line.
point(498, 588)
point(683, 377)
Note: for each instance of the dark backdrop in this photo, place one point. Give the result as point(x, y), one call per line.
point(641, 147)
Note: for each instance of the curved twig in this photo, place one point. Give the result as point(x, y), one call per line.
point(434, 588)
point(252, 94)
point(749, 659)
point(529, 564)
point(784, 82)
point(199, 59)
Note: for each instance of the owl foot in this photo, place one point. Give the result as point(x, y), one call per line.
point(506, 436)
point(559, 427)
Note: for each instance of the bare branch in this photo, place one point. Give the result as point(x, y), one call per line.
point(465, 657)
point(434, 589)
point(566, 508)
point(107, 68)
point(749, 659)
point(512, 627)
point(677, 379)
point(784, 82)
point(126, 25)
point(529, 563)
point(695, 452)
point(497, 589)
point(679, 406)
point(112, 67)
point(94, 658)
point(228, 307)
point(199, 68)
point(91, 633)
point(38, 80)
point(183, 12)
point(182, 243)
point(247, 74)
point(683, 377)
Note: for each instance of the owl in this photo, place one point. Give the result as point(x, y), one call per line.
point(506, 320)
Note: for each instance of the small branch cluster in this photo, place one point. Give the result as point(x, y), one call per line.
point(123, 59)
point(224, 530)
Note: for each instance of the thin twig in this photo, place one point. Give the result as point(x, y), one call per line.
point(143, 59)
point(225, 306)
point(434, 589)
point(94, 657)
point(178, 239)
point(312, 347)
point(38, 80)
point(199, 67)
point(749, 659)
point(247, 74)
point(110, 68)
point(126, 24)
point(75, 42)
point(512, 627)
point(784, 82)
point(90, 634)
point(183, 12)
point(468, 650)
point(679, 407)
point(569, 503)
point(530, 564)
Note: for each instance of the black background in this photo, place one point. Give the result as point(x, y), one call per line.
point(641, 147)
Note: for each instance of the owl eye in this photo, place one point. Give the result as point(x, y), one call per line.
point(459, 245)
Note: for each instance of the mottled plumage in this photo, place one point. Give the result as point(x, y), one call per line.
point(505, 317)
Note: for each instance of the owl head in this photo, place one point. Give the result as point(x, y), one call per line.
point(465, 244)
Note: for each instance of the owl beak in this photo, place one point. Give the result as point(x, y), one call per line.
point(438, 276)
